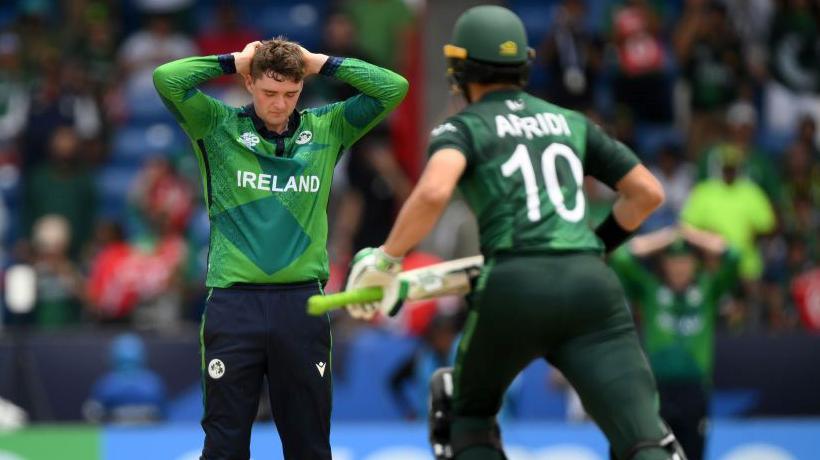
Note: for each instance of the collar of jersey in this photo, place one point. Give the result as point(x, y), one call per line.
point(293, 123)
point(500, 94)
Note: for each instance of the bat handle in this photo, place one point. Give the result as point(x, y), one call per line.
point(321, 304)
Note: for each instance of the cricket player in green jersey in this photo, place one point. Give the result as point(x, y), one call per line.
point(266, 175)
point(545, 291)
point(679, 311)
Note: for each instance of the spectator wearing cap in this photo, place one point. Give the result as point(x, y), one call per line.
point(755, 163)
point(130, 393)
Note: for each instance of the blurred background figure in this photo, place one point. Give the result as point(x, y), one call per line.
point(130, 393)
point(710, 54)
point(59, 281)
point(678, 315)
point(64, 186)
point(737, 209)
point(572, 58)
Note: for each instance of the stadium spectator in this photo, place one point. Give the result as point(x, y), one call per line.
point(62, 186)
point(95, 46)
point(794, 64)
point(756, 165)
point(677, 176)
point(678, 305)
point(410, 380)
point(377, 186)
point(164, 203)
point(14, 95)
point(711, 56)
point(228, 33)
point(130, 393)
point(160, 197)
point(572, 58)
point(157, 43)
point(111, 293)
point(60, 98)
point(339, 38)
point(59, 282)
point(738, 210)
point(641, 84)
point(382, 27)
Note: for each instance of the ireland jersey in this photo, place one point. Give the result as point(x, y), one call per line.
point(526, 162)
point(678, 328)
point(267, 193)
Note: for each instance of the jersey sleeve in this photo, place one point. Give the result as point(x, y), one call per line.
point(177, 82)
point(454, 134)
point(381, 90)
point(607, 159)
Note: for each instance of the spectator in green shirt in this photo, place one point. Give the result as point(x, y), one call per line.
point(735, 208)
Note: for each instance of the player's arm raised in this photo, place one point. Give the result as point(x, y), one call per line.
point(381, 91)
point(177, 83)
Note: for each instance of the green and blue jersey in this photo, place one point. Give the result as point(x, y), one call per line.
point(267, 193)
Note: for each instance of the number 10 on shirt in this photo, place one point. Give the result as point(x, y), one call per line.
point(521, 161)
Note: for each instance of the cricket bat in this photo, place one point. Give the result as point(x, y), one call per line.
point(447, 278)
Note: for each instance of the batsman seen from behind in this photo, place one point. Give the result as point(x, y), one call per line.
point(545, 291)
point(266, 173)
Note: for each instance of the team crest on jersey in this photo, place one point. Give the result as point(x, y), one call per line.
point(216, 369)
point(441, 129)
point(304, 137)
point(248, 139)
point(515, 105)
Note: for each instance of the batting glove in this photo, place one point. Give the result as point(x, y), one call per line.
point(372, 267)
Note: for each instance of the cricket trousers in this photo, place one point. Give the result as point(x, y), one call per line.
point(251, 331)
point(569, 309)
point(684, 406)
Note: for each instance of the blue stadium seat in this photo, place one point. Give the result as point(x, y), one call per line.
point(537, 16)
point(362, 391)
point(300, 21)
point(113, 183)
point(133, 144)
point(536, 398)
point(145, 106)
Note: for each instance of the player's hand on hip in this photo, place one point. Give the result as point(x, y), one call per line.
point(242, 59)
point(373, 267)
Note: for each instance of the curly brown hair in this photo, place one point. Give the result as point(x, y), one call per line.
point(280, 59)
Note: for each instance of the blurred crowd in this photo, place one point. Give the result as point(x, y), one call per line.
point(101, 194)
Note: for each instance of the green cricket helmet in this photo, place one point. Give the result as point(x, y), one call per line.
point(489, 45)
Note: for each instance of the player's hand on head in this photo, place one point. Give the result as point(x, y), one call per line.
point(242, 59)
point(313, 61)
point(373, 267)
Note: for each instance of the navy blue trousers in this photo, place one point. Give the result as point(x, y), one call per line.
point(248, 332)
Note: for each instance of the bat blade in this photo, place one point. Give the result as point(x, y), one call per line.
point(447, 278)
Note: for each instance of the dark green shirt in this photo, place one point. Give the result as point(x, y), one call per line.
point(526, 162)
